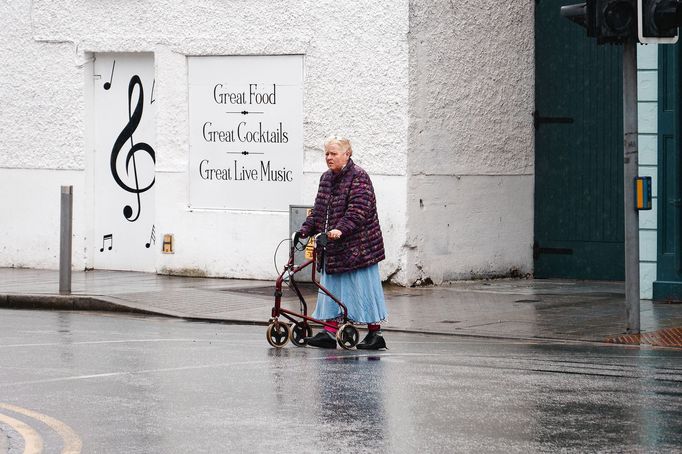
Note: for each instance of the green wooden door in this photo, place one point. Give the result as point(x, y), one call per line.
point(579, 151)
point(668, 285)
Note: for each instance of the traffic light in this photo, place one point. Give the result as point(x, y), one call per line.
point(580, 14)
point(658, 20)
point(616, 20)
point(610, 21)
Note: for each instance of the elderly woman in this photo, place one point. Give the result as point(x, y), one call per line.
point(345, 208)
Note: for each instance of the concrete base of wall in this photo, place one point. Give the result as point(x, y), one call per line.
point(468, 227)
point(211, 243)
point(31, 215)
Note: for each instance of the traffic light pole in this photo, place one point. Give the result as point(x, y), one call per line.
point(630, 163)
point(627, 22)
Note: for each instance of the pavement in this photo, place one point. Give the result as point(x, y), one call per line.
point(566, 310)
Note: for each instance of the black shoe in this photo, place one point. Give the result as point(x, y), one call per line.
point(372, 341)
point(323, 339)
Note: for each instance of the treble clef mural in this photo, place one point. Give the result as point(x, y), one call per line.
point(134, 186)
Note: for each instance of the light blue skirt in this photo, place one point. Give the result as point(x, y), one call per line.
point(360, 290)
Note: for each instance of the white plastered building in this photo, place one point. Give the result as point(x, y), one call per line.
point(436, 97)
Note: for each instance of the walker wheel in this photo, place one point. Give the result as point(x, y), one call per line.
point(347, 336)
point(299, 331)
point(277, 334)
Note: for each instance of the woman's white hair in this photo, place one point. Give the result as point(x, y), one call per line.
point(342, 142)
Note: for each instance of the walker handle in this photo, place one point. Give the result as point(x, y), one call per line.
point(297, 238)
point(321, 239)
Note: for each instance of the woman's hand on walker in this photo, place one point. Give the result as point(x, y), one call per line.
point(334, 234)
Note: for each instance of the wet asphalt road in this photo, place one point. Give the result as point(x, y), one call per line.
point(118, 383)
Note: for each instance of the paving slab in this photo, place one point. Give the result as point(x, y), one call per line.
point(514, 308)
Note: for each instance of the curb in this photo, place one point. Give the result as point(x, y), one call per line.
point(100, 304)
point(65, 303)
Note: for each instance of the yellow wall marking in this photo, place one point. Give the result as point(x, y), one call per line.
point(33, 443)
point(72, 443)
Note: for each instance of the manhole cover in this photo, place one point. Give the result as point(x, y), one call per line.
point(527, 301)
point(666, 337)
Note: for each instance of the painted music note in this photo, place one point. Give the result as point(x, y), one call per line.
point(107, 85)
point(152, 238)
point(134, 117)
point(110, 238)
point(152, 95)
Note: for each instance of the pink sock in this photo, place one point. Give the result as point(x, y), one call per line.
point(332, 329)
point(373, 327)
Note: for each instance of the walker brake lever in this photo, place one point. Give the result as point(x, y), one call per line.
point(321, 239)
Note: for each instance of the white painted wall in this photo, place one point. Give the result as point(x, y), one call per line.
point(43, 142)
point(436, 97)
point(647, 108)
point(29, 226)
point(356, 85)
point(470, 165)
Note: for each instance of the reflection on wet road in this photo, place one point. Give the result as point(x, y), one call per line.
point(144, 384)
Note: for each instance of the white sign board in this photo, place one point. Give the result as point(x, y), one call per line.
point(246, 132)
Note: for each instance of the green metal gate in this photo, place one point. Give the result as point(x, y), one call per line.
point(579, 151)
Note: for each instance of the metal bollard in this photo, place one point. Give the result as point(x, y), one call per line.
point(66, 229)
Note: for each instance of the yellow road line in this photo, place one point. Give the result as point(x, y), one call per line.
point(72, 443)
point(33, 443)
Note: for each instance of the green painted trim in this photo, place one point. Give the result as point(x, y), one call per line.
point(669, 236)
point(667, 291)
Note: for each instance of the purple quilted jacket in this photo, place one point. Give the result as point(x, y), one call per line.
point(346, 201)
